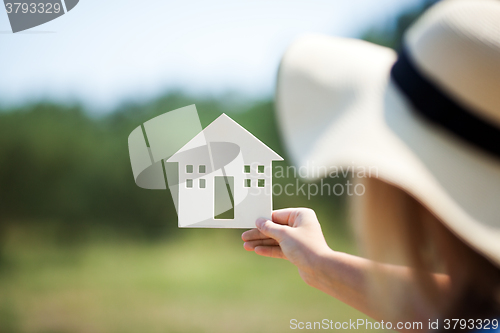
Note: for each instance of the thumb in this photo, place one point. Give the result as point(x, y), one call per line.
point(271, 229)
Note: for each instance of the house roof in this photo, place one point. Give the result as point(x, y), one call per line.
point(228, 138)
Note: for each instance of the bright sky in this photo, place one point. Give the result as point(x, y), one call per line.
point(105, 52)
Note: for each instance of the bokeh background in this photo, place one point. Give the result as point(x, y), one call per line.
point(82, 248)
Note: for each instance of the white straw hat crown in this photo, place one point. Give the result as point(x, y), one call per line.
point(458, 47)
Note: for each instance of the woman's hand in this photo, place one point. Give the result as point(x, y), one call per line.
point(294, 234)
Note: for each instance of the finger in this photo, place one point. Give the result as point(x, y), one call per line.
point(282, 216)
point(293, 216)
point(271, 229)
point(270, 251)
point(251, 245)
point(253, 234)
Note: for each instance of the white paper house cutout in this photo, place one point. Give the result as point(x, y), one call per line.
point(225, 177)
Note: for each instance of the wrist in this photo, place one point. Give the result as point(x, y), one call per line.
point(326, 269)
point(317, 272)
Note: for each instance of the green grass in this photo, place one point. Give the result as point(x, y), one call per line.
point(202, 282)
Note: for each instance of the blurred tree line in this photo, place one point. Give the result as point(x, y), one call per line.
point(63, 168)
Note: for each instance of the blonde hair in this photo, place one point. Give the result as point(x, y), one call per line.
point(395, 228)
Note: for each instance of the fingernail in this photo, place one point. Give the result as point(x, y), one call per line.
point(260, 222)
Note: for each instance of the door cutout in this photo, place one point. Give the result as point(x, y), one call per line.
point(223, 198)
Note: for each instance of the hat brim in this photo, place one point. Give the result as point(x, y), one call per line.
point(337, 106)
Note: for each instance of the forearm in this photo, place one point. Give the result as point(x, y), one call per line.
point(345, 277)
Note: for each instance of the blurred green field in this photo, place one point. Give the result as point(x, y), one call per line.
point(202, 281)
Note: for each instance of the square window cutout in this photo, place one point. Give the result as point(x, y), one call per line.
point(189, 169)
point(261, 183)
point(248, 182)
point(202, 169)
point(189, 183)
point(246, 169)
point(260, 169)
point(202, 183)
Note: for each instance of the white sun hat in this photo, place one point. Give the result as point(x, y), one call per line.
point(427, 121)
